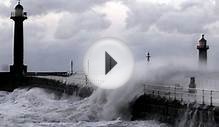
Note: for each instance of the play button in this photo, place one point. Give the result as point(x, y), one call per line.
point(108, 63)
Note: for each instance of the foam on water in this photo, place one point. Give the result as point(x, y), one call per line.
point(38, 107)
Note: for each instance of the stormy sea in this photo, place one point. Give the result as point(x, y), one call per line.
point(38, 107)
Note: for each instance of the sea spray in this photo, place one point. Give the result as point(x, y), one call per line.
point(113, 104)
point(38, 107)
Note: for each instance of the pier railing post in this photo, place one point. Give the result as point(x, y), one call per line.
point(86, 80)
point(169, 92)
point(211, 98)
point(203, 97)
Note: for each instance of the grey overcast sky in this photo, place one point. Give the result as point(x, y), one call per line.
point(60, 30)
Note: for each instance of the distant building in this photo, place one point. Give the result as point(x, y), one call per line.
point(203, 48)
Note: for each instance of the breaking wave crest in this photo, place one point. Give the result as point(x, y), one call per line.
point(40, 107)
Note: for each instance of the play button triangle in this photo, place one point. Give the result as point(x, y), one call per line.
point(110, 63)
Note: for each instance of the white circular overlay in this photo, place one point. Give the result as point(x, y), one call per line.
point(95, 63)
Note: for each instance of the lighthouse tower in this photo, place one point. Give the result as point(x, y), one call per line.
point(18, 16)
point(203, 48)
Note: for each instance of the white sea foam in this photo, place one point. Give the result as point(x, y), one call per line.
point(37, 107)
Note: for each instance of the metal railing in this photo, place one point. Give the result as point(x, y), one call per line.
point(185, 95)
point(77, 78)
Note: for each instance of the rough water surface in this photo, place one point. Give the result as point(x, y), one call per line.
point(37, 107)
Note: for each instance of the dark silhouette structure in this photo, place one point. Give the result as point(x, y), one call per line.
point(18, 75)
point(203, 48)
point(148, 56)
point(192, 85)
point(18, 16)
point(18, 68)
point(72, 67)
